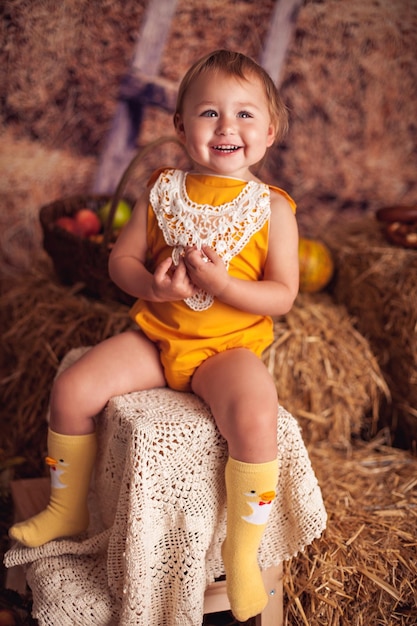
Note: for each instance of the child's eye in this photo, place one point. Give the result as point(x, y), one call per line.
point(244, 114)
point(209, 113)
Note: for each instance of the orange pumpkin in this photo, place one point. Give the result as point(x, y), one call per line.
point(316, 265)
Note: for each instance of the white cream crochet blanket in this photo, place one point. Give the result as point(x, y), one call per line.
point(158, 518)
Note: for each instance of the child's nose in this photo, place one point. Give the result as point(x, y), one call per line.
point(225, 126)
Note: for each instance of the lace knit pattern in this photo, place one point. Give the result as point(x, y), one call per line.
point(226, 228)
point(159, 518)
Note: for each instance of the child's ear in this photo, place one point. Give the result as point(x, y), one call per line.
point(179, 126)
point(271, 136)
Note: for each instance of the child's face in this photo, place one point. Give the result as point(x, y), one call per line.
point(225, 124)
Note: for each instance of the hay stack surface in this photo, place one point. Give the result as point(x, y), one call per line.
point(363, 570)
point(325, 372)
point(377, 282)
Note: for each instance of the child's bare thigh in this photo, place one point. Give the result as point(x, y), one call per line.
point(121, 364)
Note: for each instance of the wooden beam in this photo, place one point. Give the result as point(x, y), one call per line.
point(121, 141)
point(279, 37)
point(152, 36)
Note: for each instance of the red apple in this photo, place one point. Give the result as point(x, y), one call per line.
point(68, 223)
point(88, 222)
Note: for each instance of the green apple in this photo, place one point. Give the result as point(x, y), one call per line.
point(121, 217)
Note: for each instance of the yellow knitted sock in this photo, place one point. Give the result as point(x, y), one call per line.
point(250, 489)
point(71, 460)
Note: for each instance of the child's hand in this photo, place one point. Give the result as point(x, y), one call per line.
point(172, 284)
point(206, 270)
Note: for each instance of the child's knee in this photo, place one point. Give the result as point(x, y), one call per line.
point(69, 391)
point(59, 392)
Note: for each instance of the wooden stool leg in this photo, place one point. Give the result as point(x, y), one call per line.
point(272, 615)
point(215, 598)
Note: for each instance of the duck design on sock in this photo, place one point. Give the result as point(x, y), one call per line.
point(56, 470)
point(261, 505)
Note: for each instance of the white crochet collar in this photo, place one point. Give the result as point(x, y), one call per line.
point(226, 228)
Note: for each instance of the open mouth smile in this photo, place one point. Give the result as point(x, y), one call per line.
point(226, 149)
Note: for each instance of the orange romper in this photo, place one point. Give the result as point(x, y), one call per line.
point(232, 217)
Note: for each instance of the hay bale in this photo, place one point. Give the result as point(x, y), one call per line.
point(325, 372)
point(377, 282)
point(363, 569)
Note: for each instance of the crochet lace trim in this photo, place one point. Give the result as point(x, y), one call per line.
point(226, 228)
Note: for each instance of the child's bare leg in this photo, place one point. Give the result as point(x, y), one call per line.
point(124, 363)
point(121, 364)
point(243, 399)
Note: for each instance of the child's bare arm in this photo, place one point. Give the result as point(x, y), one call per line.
point(127, 264)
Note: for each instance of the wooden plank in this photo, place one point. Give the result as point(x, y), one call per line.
point(279, 37)
point(121, 142)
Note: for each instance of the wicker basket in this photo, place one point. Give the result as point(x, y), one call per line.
point(82, 260)
point(79, 259)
